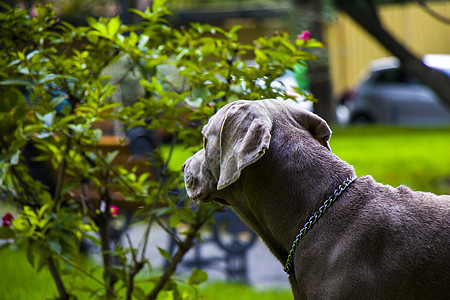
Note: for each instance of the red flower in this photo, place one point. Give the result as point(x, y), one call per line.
point(7, 219)
point(305, 35)
point(114, 210)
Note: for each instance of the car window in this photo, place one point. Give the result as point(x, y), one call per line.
point(395, 76)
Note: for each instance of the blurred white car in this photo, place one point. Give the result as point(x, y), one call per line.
point(391, 96)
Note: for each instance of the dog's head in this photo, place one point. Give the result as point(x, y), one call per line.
point(237, 136)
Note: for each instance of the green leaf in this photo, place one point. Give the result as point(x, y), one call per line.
point(41, 262)
point(6, 233)
point(139, 293)
point(143, 40)
point(261, 57)
point(57, 101)
point(48, 118)
point(174, 220)
point(16, 81)
point(49, 77)
point(96, 134)
point(55, 246)
point(164, 253)
point(110, 156)
point(34, 129)
point(15, 158)
point(201, 92)
point(68, 186)
point(289, 45)
point(113, 26)
point(101, 28)
point(30, 253)
point(92, 238)
point(313, 43)
point(76, 128)
point(197, 277)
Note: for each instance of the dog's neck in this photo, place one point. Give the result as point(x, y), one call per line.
point(296, 187)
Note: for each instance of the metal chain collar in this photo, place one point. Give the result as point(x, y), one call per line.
point(327, 203)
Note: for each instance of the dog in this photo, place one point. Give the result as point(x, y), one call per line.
point(270, 160)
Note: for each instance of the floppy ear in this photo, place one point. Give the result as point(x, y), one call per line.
point(244, 138)
point(317, 126)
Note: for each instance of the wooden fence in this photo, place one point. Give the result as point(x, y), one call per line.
point(351, 48)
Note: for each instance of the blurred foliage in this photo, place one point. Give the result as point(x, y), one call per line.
point(55, 89)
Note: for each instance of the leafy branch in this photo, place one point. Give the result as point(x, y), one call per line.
point(55, 89)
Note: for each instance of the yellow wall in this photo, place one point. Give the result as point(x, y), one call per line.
point(351, 48)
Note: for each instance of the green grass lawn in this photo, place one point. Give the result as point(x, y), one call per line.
point(416, 157)
point(19, 281)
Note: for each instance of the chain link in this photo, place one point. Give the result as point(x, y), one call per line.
point(313, 219)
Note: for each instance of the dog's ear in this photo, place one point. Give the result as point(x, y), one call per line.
point(319, 129)
point(317, 126)
point(244, 138)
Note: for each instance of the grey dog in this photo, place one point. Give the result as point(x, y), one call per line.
point(271, 162)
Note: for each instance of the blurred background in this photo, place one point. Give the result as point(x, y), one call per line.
point(356, 79)
point(355, 35)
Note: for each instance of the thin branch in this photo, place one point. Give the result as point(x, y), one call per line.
point(173, 87)
point(432, 13)
point(26, 188)
point(70, 263)
point(168, 231)
point(87, 205)
point(112, 170)
point(60, 178)
point(137, 267)
point(63, 295)
point(152, 218)
point(133, 254)
point(183, 248)
point(102, 221)
point(124, 75)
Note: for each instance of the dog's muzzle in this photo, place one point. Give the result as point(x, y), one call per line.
point(198, 179)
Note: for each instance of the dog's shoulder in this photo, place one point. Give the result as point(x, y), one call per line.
point(384, 204)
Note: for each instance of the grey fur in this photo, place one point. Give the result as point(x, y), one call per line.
point(271, 162)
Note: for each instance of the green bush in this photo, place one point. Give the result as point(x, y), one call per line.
point(54, 89)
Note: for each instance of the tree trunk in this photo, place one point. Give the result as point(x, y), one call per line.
point(366, 17)
point(319, 70)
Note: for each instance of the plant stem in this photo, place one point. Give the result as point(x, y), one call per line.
point(73, 265)
point(57, 278)
point(155, 203)
point(102, 221)
point(60, 178)
point(108, 276)
point(183, 248)
point(137, 267)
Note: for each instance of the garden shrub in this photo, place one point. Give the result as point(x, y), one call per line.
point(56, 85)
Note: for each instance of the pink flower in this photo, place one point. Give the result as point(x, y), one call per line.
point(305, 35)
point(114, 210)
point(7, 219)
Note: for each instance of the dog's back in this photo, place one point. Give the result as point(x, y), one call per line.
point(396, 246)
